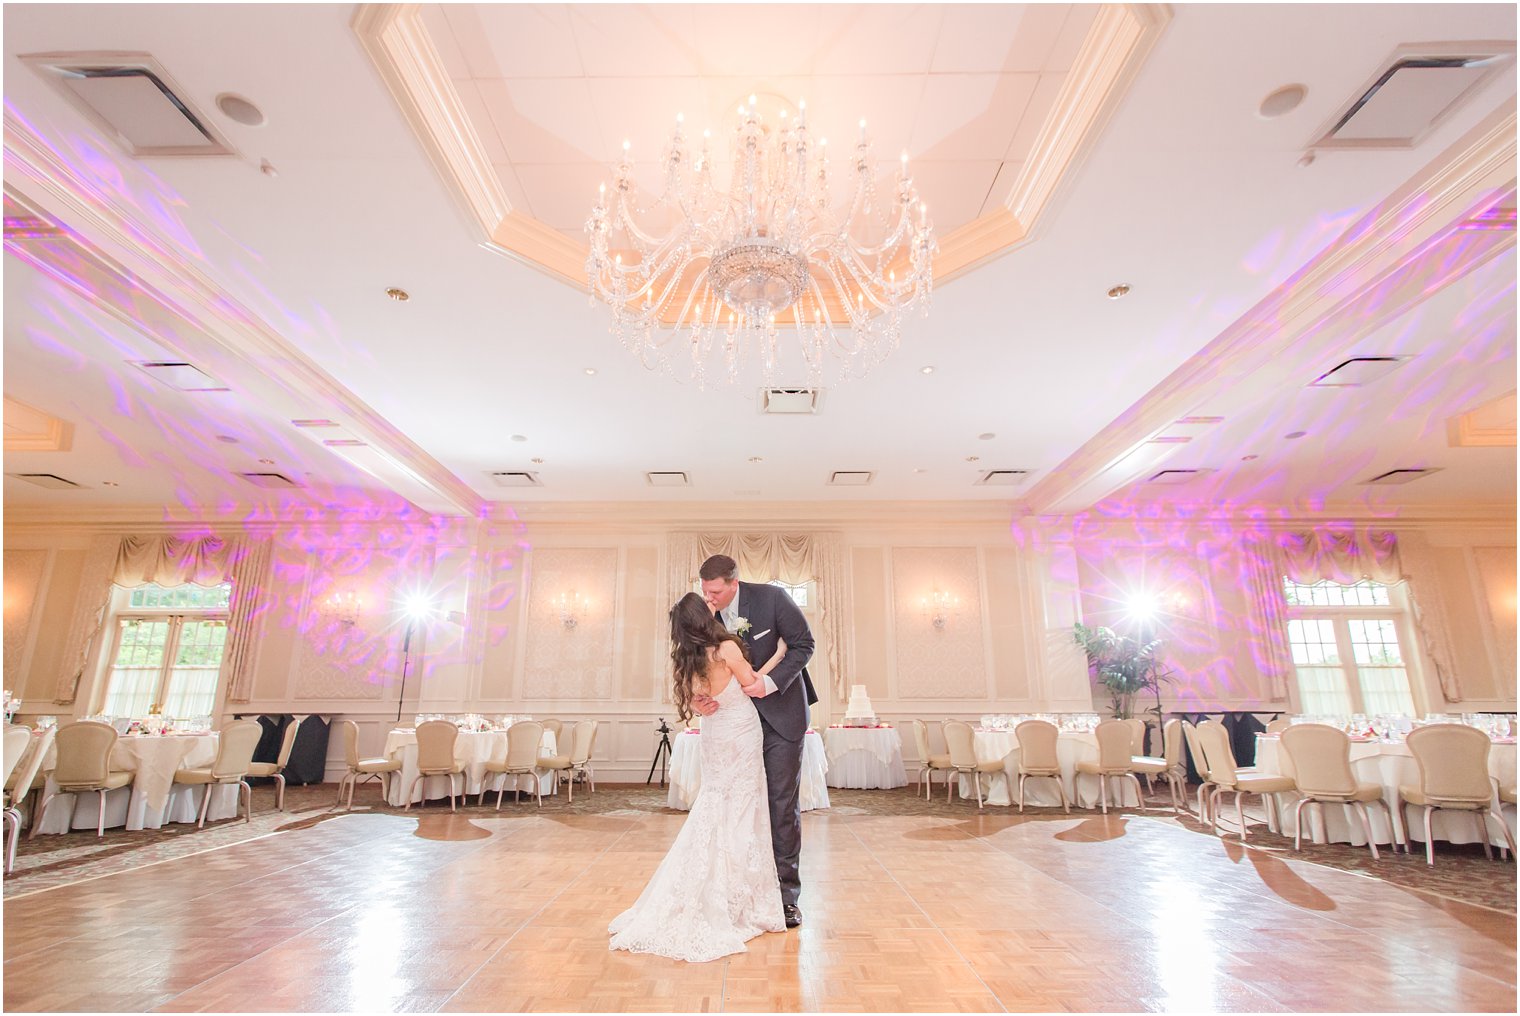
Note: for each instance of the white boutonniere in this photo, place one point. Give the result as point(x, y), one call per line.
point(741, 625)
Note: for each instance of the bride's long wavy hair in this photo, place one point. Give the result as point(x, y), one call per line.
point(693, 633)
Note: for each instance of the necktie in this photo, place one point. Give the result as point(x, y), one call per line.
point(718, 616)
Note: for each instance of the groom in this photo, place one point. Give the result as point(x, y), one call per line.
point(760, 614)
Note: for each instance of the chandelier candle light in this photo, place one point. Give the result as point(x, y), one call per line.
point(704, 276)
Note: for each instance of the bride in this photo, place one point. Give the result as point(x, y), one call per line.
point(716, 888)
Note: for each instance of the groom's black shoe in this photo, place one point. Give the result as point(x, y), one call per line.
point(793, 915)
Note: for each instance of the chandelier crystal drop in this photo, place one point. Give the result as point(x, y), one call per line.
point(702, 281)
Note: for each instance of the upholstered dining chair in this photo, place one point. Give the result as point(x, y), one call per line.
point(961, 740)
point(586, 770)
point(1136, 735)
point(1037, 757)
point(17, 739)
point(1453, 763)
point(234, 755)
point(28, 775)
point(521, 760)
point(1115, 744)
point(571, 759)
point(84, 766)
point(582, 737)
point(362, 767)
point(1227, 779)
point(1321, 759)
point(557, 726)
point(435, 757)
point(928, 764)
point(277, 767)
point(1170, 766)
point(1506, 796)
point(1206, 789)
point(1278, 725)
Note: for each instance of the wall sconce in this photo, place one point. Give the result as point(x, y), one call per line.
point(571, 606)
point(344, 608)
point(939, 607)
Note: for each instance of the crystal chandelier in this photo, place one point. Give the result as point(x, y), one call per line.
point(703, 279)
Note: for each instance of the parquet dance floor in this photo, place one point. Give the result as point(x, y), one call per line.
point(968, 912)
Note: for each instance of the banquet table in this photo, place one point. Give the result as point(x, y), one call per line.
point(865, 758)
point(152, 798)
point(1072, 746)
point(474, 748)
point(1388, 764)
point(686, 771)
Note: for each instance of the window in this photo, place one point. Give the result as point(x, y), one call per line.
point(798, 592)
point(167, 650)
point(1346, 648)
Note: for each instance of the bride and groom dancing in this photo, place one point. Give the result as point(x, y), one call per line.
point(732, 872)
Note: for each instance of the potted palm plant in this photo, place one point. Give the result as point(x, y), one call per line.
point(1123, 666)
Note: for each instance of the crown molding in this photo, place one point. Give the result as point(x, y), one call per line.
point(1364, 263)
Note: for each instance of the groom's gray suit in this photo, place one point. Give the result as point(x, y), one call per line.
point(772, 614)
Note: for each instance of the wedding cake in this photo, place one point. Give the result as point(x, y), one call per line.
point(859, 712)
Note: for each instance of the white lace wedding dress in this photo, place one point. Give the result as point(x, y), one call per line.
point(717, 887)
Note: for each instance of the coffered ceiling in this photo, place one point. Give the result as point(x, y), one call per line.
point(1250, 272)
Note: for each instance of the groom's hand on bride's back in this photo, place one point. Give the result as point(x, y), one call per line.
point(704, 705)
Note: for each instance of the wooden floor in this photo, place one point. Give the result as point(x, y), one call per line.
point(965, 913)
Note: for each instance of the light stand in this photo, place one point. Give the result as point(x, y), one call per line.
point(406, 663)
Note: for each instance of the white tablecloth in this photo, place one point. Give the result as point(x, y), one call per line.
point(152, 798)
point(1071, 747)
point(1389, 766)
point(866, 758)
point(473, 747)
point(686, 771)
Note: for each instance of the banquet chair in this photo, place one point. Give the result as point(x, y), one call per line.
point(1506, 796)
point(1278, 725)
point(1169, 767)
point(962, 743)
point(16, 741)
point(1206, 788)
point(587, 770)
point(570, 761)
point(1037, 757)
point(580, 755)
point(84, 766)
point(1227, 779)
point(365, 767)
point(1136, 735)
point(27, 775)
point(557, 726)
point(234, 756)
point(1115, 739)
point(1321, 759)
point(928, 764)
point(277, 767)
point(1453, 763)
point(435, 757)
point(521, 760)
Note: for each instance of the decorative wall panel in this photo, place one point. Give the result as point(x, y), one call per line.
point(1496, 569)
point(947, 662)
point(23, 579)
point(564, 662)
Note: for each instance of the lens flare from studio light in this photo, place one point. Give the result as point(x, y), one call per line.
point(1143, 607)
point(418, 607)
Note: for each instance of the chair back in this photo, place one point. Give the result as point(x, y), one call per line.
point(31, 766)
point(1223, 739)
point(17, 740)
point(1453, 761)
point(1278, 725)
point(1216, 754)
point(287, 743)
point(1190, 735)
point(961, 741)
point(350, 742)
point(1321, 757)
point(921, 741)
point(1037, 744)
point(557, 727)
point(523, 740)
point(435, 745)
point(1171, 743)
point(580, 742)
point(84, 753)
point(1114, 744)
point(235, 748)
point(1136, 735)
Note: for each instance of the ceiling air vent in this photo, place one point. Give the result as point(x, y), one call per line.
point(1002, 477)
point(1176, 476)
point(1358, 371)
point(850, 478)
point(1415, 92)
point(132, 98)
point(179, 375)
point(271, 481)
point(1397, 476)
point(668, 478)
point(48, 480)
point(516, 479)
point(790, 400)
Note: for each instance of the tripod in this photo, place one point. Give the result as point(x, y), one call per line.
point(661, 753)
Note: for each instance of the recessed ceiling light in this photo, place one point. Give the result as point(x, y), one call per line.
point(590, 372)
point(920, 470)
point(235, 107)
point(110, 483)
point(1295, 435)
point(986, 437)
point(1247, 458)
point(519, 437)
point(537, 462)
point(226, 439)
point(1119, 292)
point(266, 462)
point(399, 295)
point(1282, 102)
point(756, 458)
point(926, 369)
point(973, 458)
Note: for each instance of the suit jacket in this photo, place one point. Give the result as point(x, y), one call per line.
point(772, 615)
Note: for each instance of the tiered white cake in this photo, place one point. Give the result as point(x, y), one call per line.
point(859, 712)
